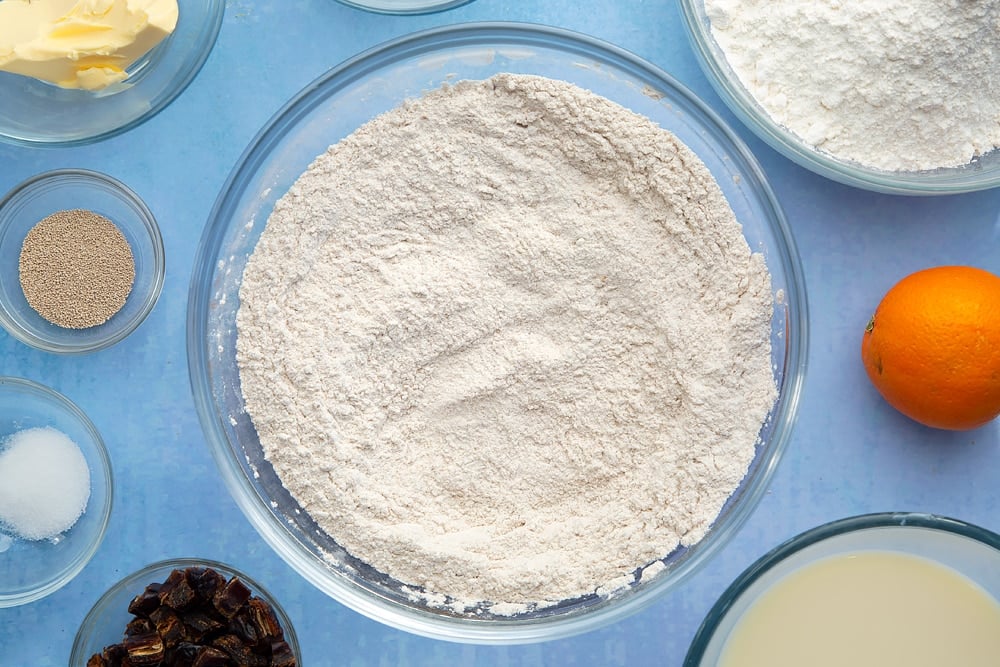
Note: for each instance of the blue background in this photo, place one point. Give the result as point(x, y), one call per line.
point(849, 453)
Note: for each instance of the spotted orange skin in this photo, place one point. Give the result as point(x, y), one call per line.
point(932, 348)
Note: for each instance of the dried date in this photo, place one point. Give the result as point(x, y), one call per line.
point(144, 649)
point(146, 601)
point(177, 592)
point(231, 597)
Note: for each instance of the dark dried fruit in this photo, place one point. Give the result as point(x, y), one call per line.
point(138, 626)
point(176, 592)
point(211, 657)
point(145, 602)
point(231, 597)
point(196, 618)
point(114, 654)
point(240, 653)
point(205, 581)
point(199, 626)
point(268, 627)
point(243, 627)
point(168, 626)
point(146, 649)
point(183, 655)
point(281, 655)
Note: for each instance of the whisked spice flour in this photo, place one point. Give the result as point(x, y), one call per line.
point(507, 343)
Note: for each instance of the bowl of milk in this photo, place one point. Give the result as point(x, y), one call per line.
point(880, 589)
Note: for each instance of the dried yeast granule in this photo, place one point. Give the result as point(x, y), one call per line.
point(76, 268)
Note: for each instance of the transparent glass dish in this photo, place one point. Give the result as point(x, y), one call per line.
point(105, 623)
point(47, 193)
point(33, 569)
point(981, 174)
point(334, 106)
point(404, 6)
point(35, 112)
point(969, 550)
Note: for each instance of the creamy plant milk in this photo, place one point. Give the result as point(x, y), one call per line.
point(869, 609)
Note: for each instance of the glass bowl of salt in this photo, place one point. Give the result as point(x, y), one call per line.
point(55, 491)
point(81, 261)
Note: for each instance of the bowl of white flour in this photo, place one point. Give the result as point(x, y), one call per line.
point(496, 333)
point(896, 96)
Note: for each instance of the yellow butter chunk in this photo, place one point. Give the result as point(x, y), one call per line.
point(81, 43)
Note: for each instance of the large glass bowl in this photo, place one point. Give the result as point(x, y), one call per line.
point(968, 550)
point(334, 106)
point(37, 113)
point(981, 174)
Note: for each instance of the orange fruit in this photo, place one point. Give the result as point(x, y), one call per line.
point(932, 348)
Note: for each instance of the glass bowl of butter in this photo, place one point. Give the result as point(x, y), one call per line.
point(896, 588)
point(72, 75)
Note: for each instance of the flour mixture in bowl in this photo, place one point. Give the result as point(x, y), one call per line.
point(507, 344)
point(894, 96)
point(894, 85)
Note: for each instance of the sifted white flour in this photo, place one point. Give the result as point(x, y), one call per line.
point(507, 343)
point(893, 84)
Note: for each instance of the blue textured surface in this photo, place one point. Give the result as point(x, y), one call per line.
point(850, 453)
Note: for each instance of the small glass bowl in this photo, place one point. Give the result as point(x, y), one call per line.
point(970, 551)
point(404, 6)
point(981, 174)
point(333, 107)
point(37, 113)
point(32, 569)
point(53, 191)
point(104, 624)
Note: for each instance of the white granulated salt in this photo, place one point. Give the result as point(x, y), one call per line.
point(898, 85)
point(507, 344)
point(44, 483)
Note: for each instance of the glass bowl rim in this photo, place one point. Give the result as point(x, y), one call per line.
point(106, 473)
point(253, 505)
point(140, 577)
point(416, 7)
point(720, 610)
point(744, 106)
point(115, 188)
point(207, 35)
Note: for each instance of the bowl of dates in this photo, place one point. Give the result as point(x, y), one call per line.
point(186, 613)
